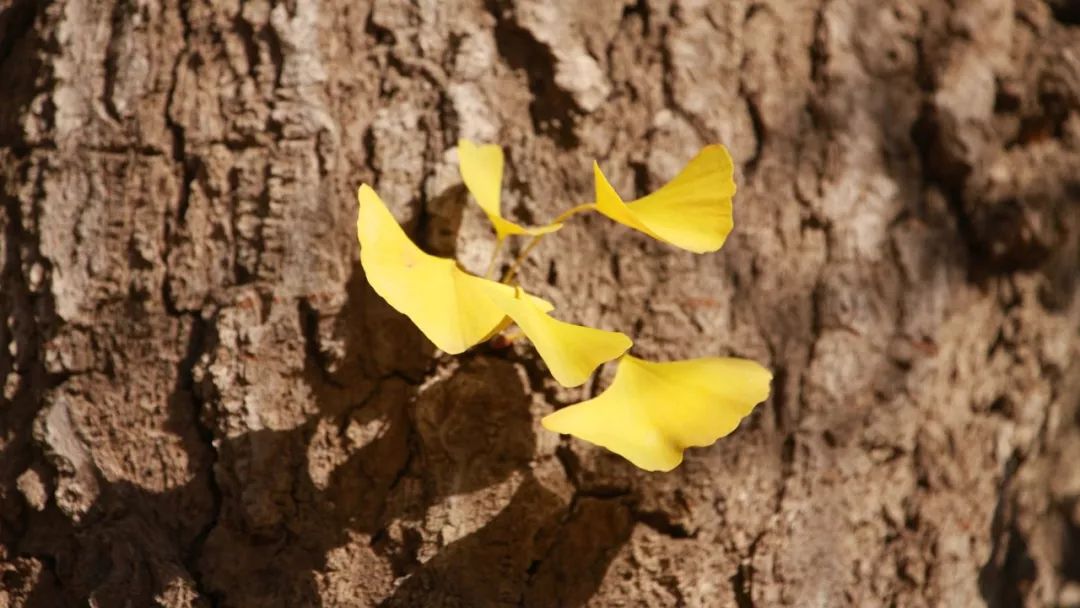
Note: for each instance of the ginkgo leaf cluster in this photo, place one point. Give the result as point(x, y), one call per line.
point(652, 411)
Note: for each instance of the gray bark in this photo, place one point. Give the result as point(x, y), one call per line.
point(205, 404)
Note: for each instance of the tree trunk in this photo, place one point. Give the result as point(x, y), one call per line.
point(204, 403)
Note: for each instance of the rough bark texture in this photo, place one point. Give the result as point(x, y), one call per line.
point(205, 404)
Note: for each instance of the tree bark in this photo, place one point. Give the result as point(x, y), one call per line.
point(204, 403)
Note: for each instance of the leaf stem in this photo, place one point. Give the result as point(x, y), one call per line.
point(512, 272)
point(494, 258)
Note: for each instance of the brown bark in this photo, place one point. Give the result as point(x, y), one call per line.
point(205, 404)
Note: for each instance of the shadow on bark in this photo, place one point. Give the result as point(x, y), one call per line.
point(279, 509)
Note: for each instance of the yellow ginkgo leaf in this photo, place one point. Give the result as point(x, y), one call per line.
point(570, 351)
point(692, 211)
point(481, 169)
point(450, 306)
point(653, 411)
